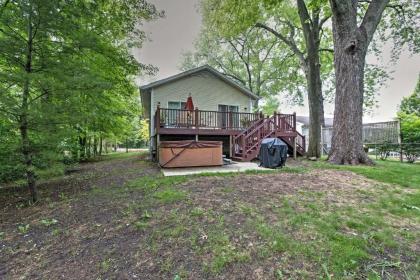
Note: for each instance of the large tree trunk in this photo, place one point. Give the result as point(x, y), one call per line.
point(316, 108)
point(23, 127)
point(100, 144)
point(95, 146)
point(312, 66)
point(350, 47)
point(82, 146)
point(26, 146)
point(89, 147)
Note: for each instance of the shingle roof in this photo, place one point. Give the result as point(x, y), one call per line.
point(196, 70)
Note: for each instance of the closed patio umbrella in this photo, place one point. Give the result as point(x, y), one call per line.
point(189, 105)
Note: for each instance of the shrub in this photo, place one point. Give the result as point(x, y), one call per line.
point(410, 132)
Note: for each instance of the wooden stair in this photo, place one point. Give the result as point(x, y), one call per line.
point(246, 145)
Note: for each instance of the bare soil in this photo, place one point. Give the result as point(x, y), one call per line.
point(106, 230)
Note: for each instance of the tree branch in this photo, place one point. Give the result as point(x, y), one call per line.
point(372, 17)
point(397, 7)
point(305, 18)
point(323, 20)
point(326, 50)
point(289, 43)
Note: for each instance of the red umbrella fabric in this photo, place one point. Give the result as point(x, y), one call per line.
point(189, 105)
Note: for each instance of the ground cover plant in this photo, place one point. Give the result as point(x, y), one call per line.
point(120, 218)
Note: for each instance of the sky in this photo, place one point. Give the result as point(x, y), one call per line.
point(171, 36)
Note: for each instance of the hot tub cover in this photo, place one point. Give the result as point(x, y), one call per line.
point(273, 153)
point(190, 153)
point(190, 144)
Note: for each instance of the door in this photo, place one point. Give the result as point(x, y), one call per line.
point(172, 118)
point(228, 118)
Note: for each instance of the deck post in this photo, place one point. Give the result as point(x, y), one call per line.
point(243, 147)
point(294, 147)
point(294, 121)
point(275, 119)
point(230, 146)
point(157, 147)
point(157, 118)
point(196, 121)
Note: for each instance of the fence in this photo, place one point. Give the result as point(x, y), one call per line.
point(381, 139)
point(373, 133)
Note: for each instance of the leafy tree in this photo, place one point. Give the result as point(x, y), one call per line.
point(270, 105)
point(411, 104)
point(144, 132)
point(253, 59)
point(351, 42)
point(410, 132)
point(409, 116)
point(65, 73)
point(297, 25)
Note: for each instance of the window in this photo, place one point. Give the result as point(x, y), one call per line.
point(174, 117)
point(176, 105)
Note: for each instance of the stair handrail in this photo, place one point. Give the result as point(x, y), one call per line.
point(259, 124)
point(246, 131)
point(258, 128)
point(245, 135)
point(256, 122)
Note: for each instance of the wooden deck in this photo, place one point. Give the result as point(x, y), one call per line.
point(245, 130)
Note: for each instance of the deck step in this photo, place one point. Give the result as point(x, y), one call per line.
point(238, 158)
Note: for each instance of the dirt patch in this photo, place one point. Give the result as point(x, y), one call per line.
point(91, 225)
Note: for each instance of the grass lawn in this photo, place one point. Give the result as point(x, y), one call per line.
point(391, 171)
point(120, 218)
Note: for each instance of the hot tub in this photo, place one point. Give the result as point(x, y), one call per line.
point(190, 153)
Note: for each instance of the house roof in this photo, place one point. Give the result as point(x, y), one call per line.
point(207, 68)
point(305, 121)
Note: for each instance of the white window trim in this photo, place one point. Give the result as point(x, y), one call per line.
point(173, 101)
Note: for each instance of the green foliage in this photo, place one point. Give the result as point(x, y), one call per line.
point(385, 148)
point(254, 57)
point(170, 195)
point(153, 183)
point(271, 104)
point(66, 79)
point(392, 172)
point(48, 222)
point(399, 25)
point(144, 132)
point(23, 229)
point(410, 132)
point(375, 78)
point(409, 116)
point(411, 104)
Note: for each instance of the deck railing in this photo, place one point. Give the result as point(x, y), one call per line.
point(203, 119)
point(193, 119)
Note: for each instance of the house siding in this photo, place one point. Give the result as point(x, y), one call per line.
point(207, 92)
